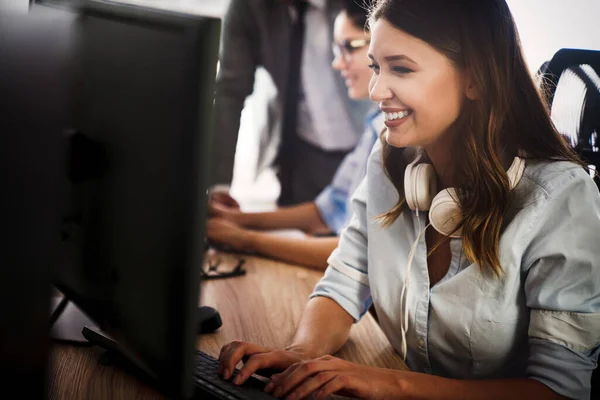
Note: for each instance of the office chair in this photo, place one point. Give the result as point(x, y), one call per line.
point(571, 80)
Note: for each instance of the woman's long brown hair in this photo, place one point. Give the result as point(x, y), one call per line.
point(510, 116)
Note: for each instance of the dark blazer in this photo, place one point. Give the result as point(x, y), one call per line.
point(255, 33)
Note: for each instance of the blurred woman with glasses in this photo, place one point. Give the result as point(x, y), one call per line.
point(322, 219)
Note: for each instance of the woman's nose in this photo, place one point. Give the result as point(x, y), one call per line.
point(379, 89)
point(339, 63)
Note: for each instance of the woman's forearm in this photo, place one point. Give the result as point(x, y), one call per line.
point(310, 251)
point(324, 328)
point(304, 216)
point(424, 386)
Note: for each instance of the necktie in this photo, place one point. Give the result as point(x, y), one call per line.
point(289, 128)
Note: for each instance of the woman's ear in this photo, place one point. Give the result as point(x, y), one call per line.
point(471, 89)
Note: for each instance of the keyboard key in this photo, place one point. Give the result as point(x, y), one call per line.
point(207, 379)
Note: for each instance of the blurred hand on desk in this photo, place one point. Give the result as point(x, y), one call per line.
point(229, 213)
point(228, 234)
point(224, 199)
point(225, 227)
point(284, 234)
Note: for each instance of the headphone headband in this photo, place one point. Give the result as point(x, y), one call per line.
point(444, 209)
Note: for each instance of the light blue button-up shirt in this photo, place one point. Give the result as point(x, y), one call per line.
point(333, 202)
point(540, 319)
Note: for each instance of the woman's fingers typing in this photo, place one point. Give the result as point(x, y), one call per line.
point(255, 358)
point(232, 354)
point(278, 359)
point(312, 384)
point(303, 377)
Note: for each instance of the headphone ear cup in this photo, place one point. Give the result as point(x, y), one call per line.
point(409, 192)
point(445, 213)
point(419, 184)
point(424, 185)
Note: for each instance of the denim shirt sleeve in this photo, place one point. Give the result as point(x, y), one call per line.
point(345, 280)
point(562, 286)
point(331, 203)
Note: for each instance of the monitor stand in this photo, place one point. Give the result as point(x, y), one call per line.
point(68, 322)
point(115, 356)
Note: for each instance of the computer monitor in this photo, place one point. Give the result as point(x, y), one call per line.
point(138, 157)
point(34, 65)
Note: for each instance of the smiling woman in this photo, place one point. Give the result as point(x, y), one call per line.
point(458, 235)
point(421, 93)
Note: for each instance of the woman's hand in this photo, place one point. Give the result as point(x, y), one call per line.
point(255, 357)
point(228, 234)
point(231, 214)
point(328, 375)
point(224, 199)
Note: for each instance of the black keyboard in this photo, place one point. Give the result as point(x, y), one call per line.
point(210, 385)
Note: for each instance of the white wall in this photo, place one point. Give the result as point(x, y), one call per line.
point(546, 26)
point(14, 5)
point(215, 8)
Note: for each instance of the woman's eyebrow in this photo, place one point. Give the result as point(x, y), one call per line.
point(400, 57)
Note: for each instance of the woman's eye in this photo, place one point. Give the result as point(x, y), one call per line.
point(402, 70)
point(374, 67)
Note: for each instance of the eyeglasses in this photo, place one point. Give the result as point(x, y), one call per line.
point(214, 273)
point(345, 48)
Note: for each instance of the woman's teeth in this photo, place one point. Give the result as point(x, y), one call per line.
point(397, 115)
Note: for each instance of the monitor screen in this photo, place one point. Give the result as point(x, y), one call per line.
point(138, 157)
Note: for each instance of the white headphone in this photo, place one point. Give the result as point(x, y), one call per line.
point(444, 209)
point(444, 214)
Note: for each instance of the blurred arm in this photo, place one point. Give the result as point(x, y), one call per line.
point(303, 216)
point(309, 251)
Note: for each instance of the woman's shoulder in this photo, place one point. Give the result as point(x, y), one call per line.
point(381, 191)
point(547, 178)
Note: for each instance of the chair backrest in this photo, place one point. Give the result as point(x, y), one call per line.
point(571, 80)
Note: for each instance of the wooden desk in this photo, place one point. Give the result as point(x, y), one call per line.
point(263, 307)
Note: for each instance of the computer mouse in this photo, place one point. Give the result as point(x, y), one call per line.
point(209, 320)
